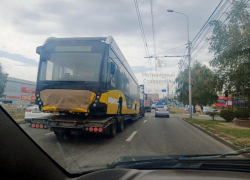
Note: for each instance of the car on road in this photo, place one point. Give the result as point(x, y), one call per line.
point(161, 110)
point(33, 109)
point(206, 110)
point(153, 106)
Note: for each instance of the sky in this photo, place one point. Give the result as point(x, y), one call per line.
point(24, 25)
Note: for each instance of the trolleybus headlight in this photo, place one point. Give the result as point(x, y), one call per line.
point(97, 97)
point(37, 95)
point(96, 100)
point(40, 102)
point(94, 104)
point(38, 99)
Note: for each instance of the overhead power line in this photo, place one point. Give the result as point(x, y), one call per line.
point(153, 28)
point(204, 46)
point(206, 29)
point(171, 49)
point(145, 44)
point(206, 21)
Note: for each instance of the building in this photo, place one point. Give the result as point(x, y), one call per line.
point(154, 96)
point(19, 91)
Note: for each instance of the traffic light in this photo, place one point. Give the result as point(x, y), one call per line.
point(226, 93)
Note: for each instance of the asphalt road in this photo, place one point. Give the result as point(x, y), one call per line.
point(145, 137)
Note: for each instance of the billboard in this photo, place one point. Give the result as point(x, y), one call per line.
point(13, 97)
point(27, 98)
point(28, 90)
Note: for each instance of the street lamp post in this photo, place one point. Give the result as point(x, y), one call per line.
point(189, 63)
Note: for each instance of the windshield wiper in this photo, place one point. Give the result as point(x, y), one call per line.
point(234, 153)
point(186, 161)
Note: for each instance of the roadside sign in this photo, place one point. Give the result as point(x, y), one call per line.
point(164, 90)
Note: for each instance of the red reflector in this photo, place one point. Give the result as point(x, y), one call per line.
point(95, 129)
point(74, 124)
point(28, 110)
point(37, 125)
point(41, 126)
point(100, 130)
point(156, 109)
point(91, 129)
point(167, 109)
point(33, 125)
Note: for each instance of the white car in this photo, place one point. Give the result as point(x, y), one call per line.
point(153, 106)
point(32, 109)
point(161, 110)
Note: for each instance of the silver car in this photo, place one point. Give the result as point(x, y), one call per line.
point(161, 110)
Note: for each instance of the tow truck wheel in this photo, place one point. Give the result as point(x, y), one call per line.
point(112, 132)
point(121, 124)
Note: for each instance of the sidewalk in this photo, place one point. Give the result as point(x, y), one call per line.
point(207, 117)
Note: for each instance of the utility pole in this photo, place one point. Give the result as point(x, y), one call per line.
point(189, 63)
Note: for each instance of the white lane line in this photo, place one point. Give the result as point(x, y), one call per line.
point(131, 136)
point(144, 121)
point(49, 133)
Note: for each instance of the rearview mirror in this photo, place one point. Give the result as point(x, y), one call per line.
point(112, 71)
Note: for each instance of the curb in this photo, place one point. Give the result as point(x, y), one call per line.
point(223, 141)
point(201, 115)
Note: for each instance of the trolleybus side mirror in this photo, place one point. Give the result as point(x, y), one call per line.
point(38, 49)
point(112, 71)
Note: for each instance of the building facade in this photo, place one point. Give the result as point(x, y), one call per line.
point(18, 91)
point(154, 96)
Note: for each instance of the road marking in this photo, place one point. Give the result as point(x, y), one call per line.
point(144, 121)
point(131, 136)
point(49, 133)
point(148, 116)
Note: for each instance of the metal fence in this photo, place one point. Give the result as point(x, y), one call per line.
point(239, 103)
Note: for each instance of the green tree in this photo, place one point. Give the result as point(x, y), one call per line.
point(203, 85)
point(3, 80)
point(230, 43)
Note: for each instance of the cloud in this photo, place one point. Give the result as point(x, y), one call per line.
point(19, 58)
point(18, 70)
point(26, 25)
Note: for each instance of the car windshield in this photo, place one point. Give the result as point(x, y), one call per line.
point(98, 82)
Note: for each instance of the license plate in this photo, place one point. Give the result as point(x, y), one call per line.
point(66, 124)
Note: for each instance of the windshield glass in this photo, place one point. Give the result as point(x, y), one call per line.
point(71, 67)
point(94, 82)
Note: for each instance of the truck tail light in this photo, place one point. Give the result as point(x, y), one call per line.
point(91, 129)
point(95, 129)
point(156, 109)
point(100, 130)
point(167, 110)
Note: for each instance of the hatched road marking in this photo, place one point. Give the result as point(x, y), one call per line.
point(49, 133)
point(131, 136)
